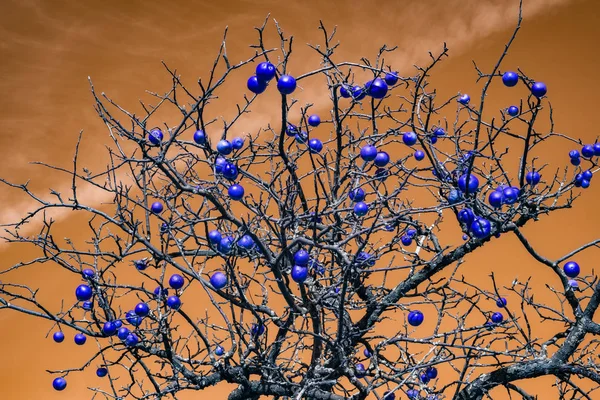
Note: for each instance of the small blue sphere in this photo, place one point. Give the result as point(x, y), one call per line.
point(511, 195)
point(224, 147)
point(415, 318)
point(466, 216)
point(286, 84)
point(176, 281)
point(87, 305)
point(200, 137)
point(123, 332)
point(219, 351)
point(101, 372)
point(83, 292)
point(301, 257)
point(155, 136)
point(439, 132)
point(501, 302)
point(368, 152)
point(236, 192)
point(246, 242)
point(357, 195)
point(571, 269)
point(378, 88)
point(173, 302)
point(109, 328)
point(315, 145)
point(358, 93)
point(58, 337)
point(533, 178)
point(391, 78)
point(497, 317)
point(538, 89)
point(265, 71)
point(431, 372)
point(464, 99)
point(481, 228)
point(381, 159)
point(142, 309)
point(214, 236)
point(587, 151)
point(513, 111)
point(314, 120)
point(237, 143)
point(299, 273)
point(510, 78)
point(406, 240)
point(409, 138)
point(225, 244)
point(88, 273)
point(496, 199)
point(156, 207)
point(59, 384)
point(473, 183)
point(132, 340)
point(344, 92)
point(79, 339)
point(361, 208)
point(218, 280)
point(419, 155)
point(255, 85)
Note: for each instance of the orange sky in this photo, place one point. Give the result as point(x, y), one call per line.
point(48, 48)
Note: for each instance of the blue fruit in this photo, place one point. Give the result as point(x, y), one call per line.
point(292, 130)
point(132, 340)
point(236, 192)
point(501, 302)
point(173, 302)
point(299, 273)
point(481, 228)
point(132, 318)
point(415, 318)
point(87, 305)
point(454, 196)
point(361, 208)
point(156, 207)
point(224, 147)
point(237, 143)
point(265, 71)
point(218, 280)
point(59, 384)
point(314, 120)
point(176, 281)
point(378, 88)
point(409, 138)
point(510, 78)
point(257, 329)
point(358, 93)
point(464, 99)
point(142, 309)
point(473, 183)
point(587, 151)
point(214, 236)
point(439, 132)
point(511, 195)
point(419, 155)
point(381, 174)
point(301, 137)
point(220, 162)
point(571, 269)
point(109, 328)
point(533, 178)
point(391, 78)
point(225, 244)
point(513, 111)
point(357, 195)
point(431, 372)
point(79, 339)
point(301, 257)
point(122, 333)
point(368, 152)
point(255, 85)
point(58, 337)
point(497, 317)
point(538, 89)
point(286, 84)
point(200, 137)
point(230, 171)
point(246, 242)
point(344, 92)
point(406, 240)
point(381, 159)
point(466, 216)
point(155, 136)
point(219, 351)
point(496, 199)
point(88, 273)
point(83, 292)
point(315, 145)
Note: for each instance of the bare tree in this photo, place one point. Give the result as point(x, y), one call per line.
point(301, 248)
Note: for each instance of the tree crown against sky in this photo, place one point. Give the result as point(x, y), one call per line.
point(272, 260)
